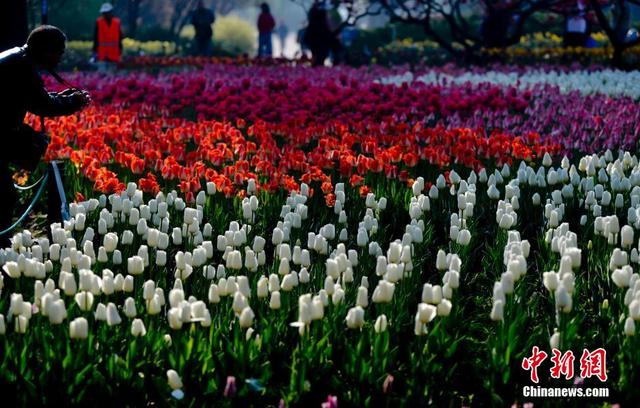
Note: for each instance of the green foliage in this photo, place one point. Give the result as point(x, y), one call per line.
point(75, 18)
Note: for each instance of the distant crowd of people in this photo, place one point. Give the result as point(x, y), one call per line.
point(321, 36)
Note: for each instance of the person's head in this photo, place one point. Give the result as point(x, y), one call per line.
point(264, 7)
point(106, 10)
point(201, 4)
point(46, 45)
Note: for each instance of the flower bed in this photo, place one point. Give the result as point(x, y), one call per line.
point(277, 299)
point(112, 147)
point(315, 236)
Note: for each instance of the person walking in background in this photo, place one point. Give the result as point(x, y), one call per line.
point(107, 37)
point(318, 35)
point(335, 23)
point(300, 38)
point(202, 18)
point(283, 30)
point(576, 28)
point(25, 92)
point(266, 24)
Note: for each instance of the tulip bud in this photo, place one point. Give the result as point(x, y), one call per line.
point(127, 285)
point(137, 328)
point(21, 324)
point(497, 311)
point(274, 302)
point(154, 305)
point(130, 308)
point(101, 312)
point(148, 290)
point(174, 380)
point(246, 317)
point(135, 265)
point(113, 317)
point(79, 328)
point(426, 312)
point(362, 297)
point(303, 276)
point(380, 325)
point(84, 300)
point(117, 257)
point(337, 295)
point(629, 327)
point(355, 317)
point(173, 316)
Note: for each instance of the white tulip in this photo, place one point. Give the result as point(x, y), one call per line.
point(246, 318)
point(173, 316)
point(497, 311)
point(263, 287)
point(362, 297)
point(629, 327)
point(337, 295)
point(84, 300)
point(303, 276)
point(79, 328)
point(21, 324)
point(289, 282)
point(113, 317)
point(174, 380)
point(634, 309)
point(426, 312)
point(383, 292)
point(626, 236)
point(117, 257)
point(135, 265)
point(101, 312)
point(274, 302)
point(550, 280)
point(137, 328)
point(380, 326)
point(130, 308)
point(444, 307)
point(148, 290)
point(355, 317)
point(12, 269)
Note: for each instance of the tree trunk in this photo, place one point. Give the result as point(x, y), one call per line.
point(617, 59)
point(133, 12)
point(13, 23)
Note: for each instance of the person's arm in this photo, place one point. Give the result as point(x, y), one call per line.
point(43, 103)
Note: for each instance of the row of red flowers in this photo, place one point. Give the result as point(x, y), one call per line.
point(112, 146)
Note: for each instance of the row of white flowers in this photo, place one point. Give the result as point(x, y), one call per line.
point(606, 81)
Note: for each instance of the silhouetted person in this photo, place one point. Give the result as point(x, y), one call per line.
point(24, 92)
point(107, 36)
point(266, 24)
point(318, 35)
point(283, 30)
point(202, 18)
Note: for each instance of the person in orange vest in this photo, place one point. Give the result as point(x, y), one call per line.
point(107, 38)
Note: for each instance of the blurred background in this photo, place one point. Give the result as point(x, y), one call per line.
point(368, 31)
